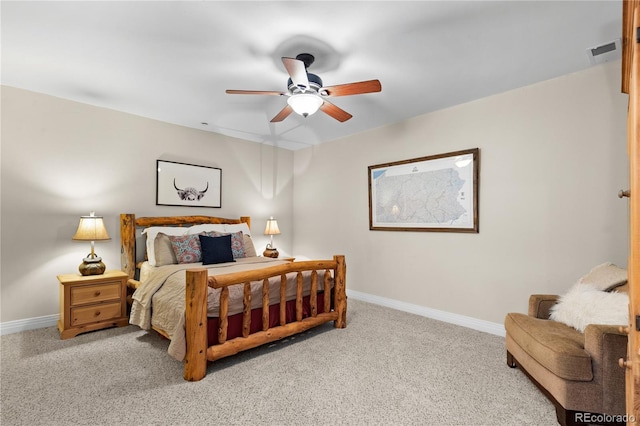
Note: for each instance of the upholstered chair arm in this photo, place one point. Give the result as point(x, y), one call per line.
point(540, 305)
point(607, 344)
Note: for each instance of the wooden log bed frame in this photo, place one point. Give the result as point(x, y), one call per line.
point(198, 351)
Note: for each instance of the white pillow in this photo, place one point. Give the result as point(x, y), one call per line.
point(235, 227)
point(151, 234)
point(219, 227)
point(584, 304)
point(206, 227)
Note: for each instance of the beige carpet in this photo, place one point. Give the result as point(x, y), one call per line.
point(386, 368)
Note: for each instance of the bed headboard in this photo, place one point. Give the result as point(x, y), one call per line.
point(129, 223)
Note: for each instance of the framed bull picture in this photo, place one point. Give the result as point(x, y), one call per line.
point(180, 184)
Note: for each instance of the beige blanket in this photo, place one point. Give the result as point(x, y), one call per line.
point(163, 293)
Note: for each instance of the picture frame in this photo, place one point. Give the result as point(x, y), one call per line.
point(437, 193)
point(188, 185)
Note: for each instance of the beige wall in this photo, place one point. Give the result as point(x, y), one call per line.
point(553, 157)
point(62, 159)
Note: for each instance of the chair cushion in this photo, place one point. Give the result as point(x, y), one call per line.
point(556, 346)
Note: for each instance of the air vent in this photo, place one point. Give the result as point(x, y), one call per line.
point(605, 53)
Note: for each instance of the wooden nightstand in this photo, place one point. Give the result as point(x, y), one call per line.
point(92, 302)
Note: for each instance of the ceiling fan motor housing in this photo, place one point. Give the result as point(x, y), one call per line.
point(315, 83)
point(307, 58)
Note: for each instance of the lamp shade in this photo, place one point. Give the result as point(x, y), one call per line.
point(305, 104)
point(272, 227)
point(91, 228)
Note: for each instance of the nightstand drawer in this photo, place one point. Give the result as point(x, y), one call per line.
point(83, 295)
point(95, 313)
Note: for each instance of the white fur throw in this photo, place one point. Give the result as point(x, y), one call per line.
point(585, 304)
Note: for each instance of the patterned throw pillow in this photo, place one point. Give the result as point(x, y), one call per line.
point(237, 242)
point(186, 248)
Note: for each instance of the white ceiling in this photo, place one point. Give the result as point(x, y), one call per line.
point(173, 60)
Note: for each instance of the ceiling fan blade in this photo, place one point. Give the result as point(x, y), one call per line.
point(253, 92)
point(335, 112)
point(369, 86)
point(284, 113)
point(297, 71)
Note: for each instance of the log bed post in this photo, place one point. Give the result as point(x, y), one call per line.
point(340, 291)
point(195, 361)
point(128, 244)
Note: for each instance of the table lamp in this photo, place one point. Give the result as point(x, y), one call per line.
point(91, 228)
point(271, 229)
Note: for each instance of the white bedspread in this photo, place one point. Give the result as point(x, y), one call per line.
point(163, 293)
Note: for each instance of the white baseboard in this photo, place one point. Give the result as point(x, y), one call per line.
point(464, 321)
point(17, 326)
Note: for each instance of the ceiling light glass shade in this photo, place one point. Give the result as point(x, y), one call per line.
point(305, 104)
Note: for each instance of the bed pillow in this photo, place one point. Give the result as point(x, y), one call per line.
point(235, 227)
point(206, 227)
point(605, 277)
point(216, 249)
point(187, 248)
point(249, 248)
point(164, 250)
point(585, 304)
point(237, 242)
point(151, 234)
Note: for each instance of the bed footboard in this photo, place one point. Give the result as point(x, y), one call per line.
point(197, 352)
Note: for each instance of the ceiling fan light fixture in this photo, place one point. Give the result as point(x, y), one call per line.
point(306, 93)
point(305, 104)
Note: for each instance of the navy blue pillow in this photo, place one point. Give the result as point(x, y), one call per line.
point(216, 249)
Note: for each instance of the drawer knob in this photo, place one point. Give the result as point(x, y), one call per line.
point(624, 193)
point(98, 293)
point(97, 313)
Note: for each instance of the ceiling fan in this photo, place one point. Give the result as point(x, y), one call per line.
point(306, 94)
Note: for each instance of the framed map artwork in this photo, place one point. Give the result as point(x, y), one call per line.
point(438, 193)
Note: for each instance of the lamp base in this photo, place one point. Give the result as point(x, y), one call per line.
point(92, 266)
point(271, 252)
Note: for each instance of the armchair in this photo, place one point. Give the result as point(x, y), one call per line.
point(577, 371)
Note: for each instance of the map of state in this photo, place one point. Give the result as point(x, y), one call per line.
point(421, 197)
